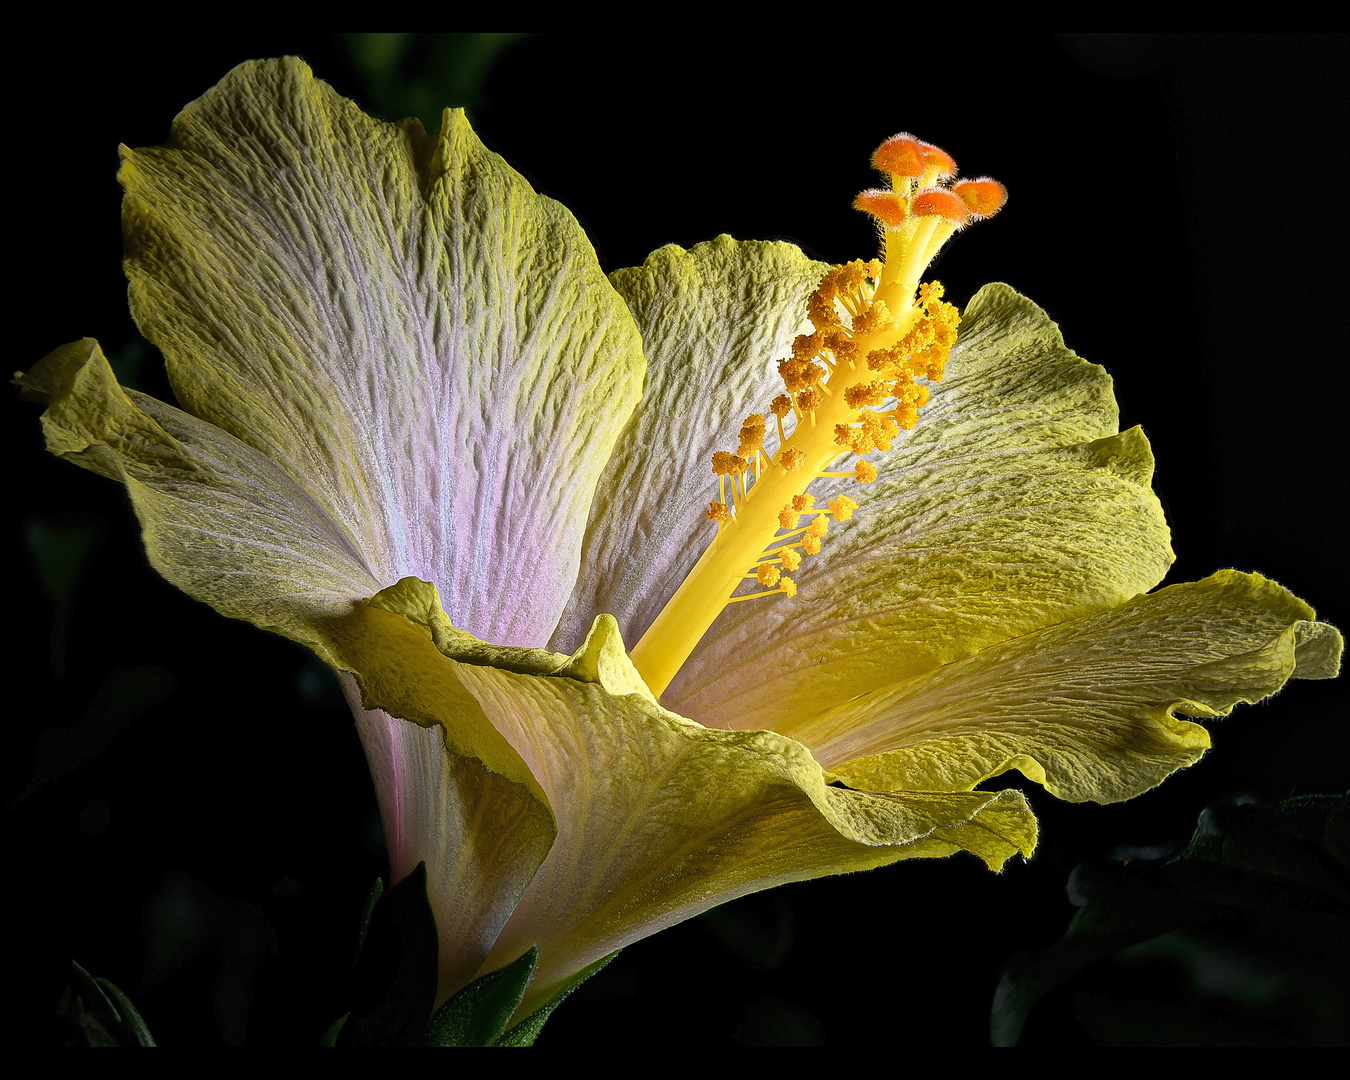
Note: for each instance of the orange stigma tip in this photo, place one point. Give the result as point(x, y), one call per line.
point(885, 206)
point(984, 196)
point(934, 157)
point(901, 154)
point(939, 202)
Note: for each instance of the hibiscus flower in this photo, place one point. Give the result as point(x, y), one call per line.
point(424, 435)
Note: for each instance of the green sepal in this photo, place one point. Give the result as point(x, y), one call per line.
point(372, 898)
point(479, 1013)
point(330, 1037)
point(395, 977)
point(525, 1032)
point(100, 1014)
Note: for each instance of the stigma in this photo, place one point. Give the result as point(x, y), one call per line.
point(879, 339)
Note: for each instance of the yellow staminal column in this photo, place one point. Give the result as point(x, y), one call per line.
point(883, 324)
point(739, 543)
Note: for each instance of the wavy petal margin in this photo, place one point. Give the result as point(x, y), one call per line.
point(1013, 505)
point(658, 818)
point(220, 520)
point(397, 321)
point(1087, 708)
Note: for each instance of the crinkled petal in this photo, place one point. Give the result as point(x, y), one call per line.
point(219, 520)
point(714, 319)
point(1013, 505)
point(659, 818)
point(1088, 708)
point(397, 321)
point(453, 793)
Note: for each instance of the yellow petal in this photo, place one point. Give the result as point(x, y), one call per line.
point(397, 322)
point(658, 818)
point(1014, 504)
point(714, 321)
point(219, 520)
point(1088, 708)
point(453, 792)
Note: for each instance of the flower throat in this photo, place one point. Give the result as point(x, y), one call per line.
point(851, 386)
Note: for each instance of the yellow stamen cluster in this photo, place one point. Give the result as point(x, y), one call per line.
point(851, 385)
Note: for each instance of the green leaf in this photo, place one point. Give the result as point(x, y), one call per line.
point(376, 891)
point(395, 985)
point(330, 1037)
point(101, 1014)
point(524, 1033)
point(1260, 894)
point(479, 1013)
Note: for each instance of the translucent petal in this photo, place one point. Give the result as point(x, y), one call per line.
point(219, 520)
point(659, 818)
point(714, 320)
point(1087, 708)
point(398, 322)
point(1011, 506)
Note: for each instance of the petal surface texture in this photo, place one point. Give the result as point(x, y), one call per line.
point(1013, 505)
point(714, 321)
point(398, 323)
point(1087, 708)
point(658, 818)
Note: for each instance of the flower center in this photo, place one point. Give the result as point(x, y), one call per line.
point(851, 385)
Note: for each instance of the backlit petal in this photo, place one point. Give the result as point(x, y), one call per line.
point(219, 520)
point(397, 321)
point(714, 321)
point(659, 818)
point(1088, 708)
point(1011, 506)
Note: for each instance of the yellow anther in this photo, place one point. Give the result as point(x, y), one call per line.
point(798, 374)
point(800, 504)
point(845, 350)
point(906, 416)
point(876, 318)
point(809, 400)
point(820, 308)
point(880, 428)
point(868, 393)
point(724, 464)
point(842, 508)
point(874, 311)
point(807, 346)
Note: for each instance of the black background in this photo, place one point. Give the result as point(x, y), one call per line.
point(205, 837)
